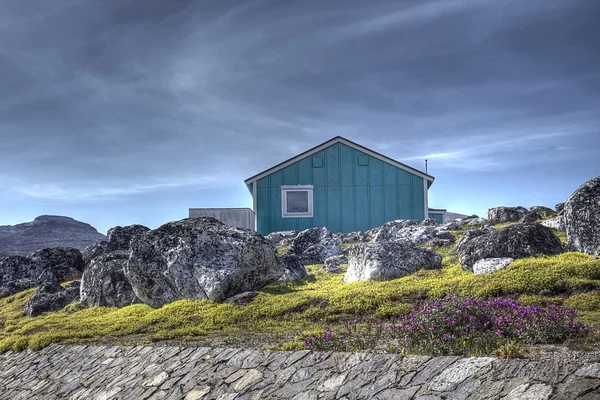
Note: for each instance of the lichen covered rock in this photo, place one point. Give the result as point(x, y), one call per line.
point(487, 265)
point(50, 296)
point(388, 260)
point(292, 268)
point(104, 282)
point(314, 246)
point(199, 258)
point(516, 241)
point(506, 214)
point(582, 217)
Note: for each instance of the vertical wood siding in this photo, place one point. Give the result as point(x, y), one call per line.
point(347, 196)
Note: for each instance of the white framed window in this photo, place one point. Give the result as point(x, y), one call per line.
point(297, 201)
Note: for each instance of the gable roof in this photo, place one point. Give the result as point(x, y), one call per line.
point(340, 139)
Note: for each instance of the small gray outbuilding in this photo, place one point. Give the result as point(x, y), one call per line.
point(238, 217)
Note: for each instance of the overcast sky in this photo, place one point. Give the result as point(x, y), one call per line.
point(117, 112)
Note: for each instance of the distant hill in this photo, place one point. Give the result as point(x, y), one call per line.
point(46, 231)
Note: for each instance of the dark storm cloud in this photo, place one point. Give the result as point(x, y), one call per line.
point(111, 98)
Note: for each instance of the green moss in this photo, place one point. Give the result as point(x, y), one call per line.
point(282, 249)
point(561, 235)
point(322, 300)
point(584, 301)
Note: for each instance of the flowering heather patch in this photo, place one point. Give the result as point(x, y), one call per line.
point(454, 325)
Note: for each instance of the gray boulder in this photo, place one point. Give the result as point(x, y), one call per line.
point(582, 218)
point(93, 251)
point(506, 214)
point(517, 241)
point(417, 234)
point(120, 237)
point(439, 242)
point(557, 223)
point(314, 246)
point(472, 234)
point(63, 262)
point(104, 282)
point(291, 267)
point(530, 218)
point(543, 212)
point(50, 296)
point(430, 222)
point(199, 258)
point(487, 265)
point(242, 298)
point(388, 260)
point(390, 230)
point(352, 237)
point(332, 264)
point(16, 286)
point(559, 208)
point(282, 238)
point(451, 226)
point(483, 222)
point(14, 268)
point(18, 273)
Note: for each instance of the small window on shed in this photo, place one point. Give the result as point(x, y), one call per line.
point(317, 162)
point(363, 160)
point(297, 201)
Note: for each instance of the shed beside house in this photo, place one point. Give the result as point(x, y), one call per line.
point(338, 184)
point(238, 217)
point(438, 214)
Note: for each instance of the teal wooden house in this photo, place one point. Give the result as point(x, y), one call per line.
point(338, 184)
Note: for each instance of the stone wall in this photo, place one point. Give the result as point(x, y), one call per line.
point(143, 372)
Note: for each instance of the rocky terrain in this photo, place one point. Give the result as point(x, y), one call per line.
point(46, 231)
point(201, 258)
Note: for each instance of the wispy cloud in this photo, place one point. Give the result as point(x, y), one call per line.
point(106, 100)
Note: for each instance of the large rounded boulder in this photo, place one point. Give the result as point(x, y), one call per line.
point(119, 237)
point(506, 214)
point(582, 217)
point(516, 241)
point(104, 282)
point(379, 261)
point(199, 258)
point(63, 262)
point(314, 246)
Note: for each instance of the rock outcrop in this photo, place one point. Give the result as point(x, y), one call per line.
point(390, 230)
point(470, 235)
point(292, 268)
point(63, 262)
point(104, 282)
point(199, 258)
point(388, 260)
point(19, 273)
point(118, 239)
point(557, 223)
point(46, 231)
point(51, 296)
point(314, 246)
point(282, 238)
point(516, 241)
point(332, 264)
point(582, 217)
point(506, 214)
point(543, 212)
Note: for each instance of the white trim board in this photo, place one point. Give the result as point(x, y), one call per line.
point(339, 139)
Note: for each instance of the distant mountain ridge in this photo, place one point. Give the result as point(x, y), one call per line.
point(46, 231)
